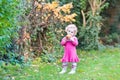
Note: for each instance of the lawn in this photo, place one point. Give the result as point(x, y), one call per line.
point(94, 65)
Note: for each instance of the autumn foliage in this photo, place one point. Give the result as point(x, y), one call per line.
point(41, 18)
point(53, 9)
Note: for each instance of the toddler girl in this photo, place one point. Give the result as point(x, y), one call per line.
point(70, 42)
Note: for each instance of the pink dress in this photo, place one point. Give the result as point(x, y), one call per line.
point(70, 54)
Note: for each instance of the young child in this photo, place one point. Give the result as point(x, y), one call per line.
point(70, 42)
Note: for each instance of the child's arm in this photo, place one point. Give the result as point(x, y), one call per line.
point(74, 41)
point(63, 42)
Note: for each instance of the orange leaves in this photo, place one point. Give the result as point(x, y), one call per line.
point(70, 18)
point(38, 6)
point(67, 17)
point(66, 8)
point(54, 11)
point(51, 6)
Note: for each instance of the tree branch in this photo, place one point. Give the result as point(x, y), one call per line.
point(101, 3)
point(84, 20)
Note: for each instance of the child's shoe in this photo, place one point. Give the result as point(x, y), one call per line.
point(62, 72)
point(73, 70)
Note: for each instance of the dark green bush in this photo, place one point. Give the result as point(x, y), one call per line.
point(8, 29)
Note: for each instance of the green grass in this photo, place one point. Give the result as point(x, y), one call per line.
point(94, 65)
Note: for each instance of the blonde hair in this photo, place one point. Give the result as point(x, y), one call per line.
point(73, 26)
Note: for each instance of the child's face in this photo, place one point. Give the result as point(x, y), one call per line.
point(70, 31)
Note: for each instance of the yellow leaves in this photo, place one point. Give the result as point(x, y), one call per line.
point(56, 12)
point(66, 8)
point(69, 18)
point(38, 6)
point(51, 6)
point(55, 4)
point(52, 11)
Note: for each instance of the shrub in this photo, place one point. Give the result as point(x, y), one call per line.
point(8, 28)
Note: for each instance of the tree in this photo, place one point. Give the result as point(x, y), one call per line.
point(43, 18)
point(92, 21)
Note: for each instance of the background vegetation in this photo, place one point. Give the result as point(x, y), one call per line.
point(31, 30)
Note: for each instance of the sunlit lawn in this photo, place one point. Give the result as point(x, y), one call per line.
point(94, 65)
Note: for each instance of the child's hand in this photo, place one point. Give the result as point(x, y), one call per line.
point(68, 37)
point(72, 39)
